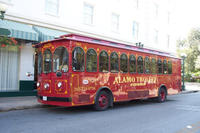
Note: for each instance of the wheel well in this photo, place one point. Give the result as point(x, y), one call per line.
point(164, 87)
point(108, 91)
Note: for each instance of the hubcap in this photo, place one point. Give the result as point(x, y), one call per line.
point(103, 101)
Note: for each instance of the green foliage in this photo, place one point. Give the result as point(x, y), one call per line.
point(191, 47)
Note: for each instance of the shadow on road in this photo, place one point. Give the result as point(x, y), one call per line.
point(117, 106)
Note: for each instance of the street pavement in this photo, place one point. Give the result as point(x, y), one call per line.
point(179, 114)
point(28, 102)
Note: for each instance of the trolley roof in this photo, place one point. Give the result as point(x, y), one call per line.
point(75, 37)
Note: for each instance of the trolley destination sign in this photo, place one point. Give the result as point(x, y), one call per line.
point(129, 79)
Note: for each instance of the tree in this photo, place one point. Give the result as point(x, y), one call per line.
point(190, 46)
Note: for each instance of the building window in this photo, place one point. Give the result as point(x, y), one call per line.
point(103, 62)
point(156, 10)
point(156, 36)
point(135, 30)
point(114, 62)
point(168, 41)
point(6, 1)
point(115, 22)
point(9, 68)
point(168, 17)
point(78, 57)
point(91, 61)
point(136, 3)
point(52, 7)
point(88, 11)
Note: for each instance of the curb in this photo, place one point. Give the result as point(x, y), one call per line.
point(21, 108)
point(186, 92)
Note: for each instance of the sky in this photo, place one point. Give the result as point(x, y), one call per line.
point(186, 15)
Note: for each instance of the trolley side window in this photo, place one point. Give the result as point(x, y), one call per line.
point(114, 62)
point(153, 66)
point(91, 61)
point(170, 67)
point(60, 59)
point(78, 59)
point(140, 64)
point(147, 65)
point(39, 63)
point(165, 67)
point(47, 61)
point(132, 64)
point(103, 62)
point(123, 63)
point(159, 64)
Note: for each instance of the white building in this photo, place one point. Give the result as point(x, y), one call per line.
point(125, 21)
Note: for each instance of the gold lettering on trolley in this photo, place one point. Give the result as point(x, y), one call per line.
point(97, 51)
point(79, 89)
point(109, 52)
point(48, 45)
point(135, 81)
point(85, 49)
point(137, 84)
point(127, 79)
point(78, 44)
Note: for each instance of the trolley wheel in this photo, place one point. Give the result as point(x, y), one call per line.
point(102, 101)
point(162, 95)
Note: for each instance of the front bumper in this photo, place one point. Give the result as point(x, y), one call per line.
point(56, 99)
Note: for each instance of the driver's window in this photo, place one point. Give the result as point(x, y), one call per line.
point(60, 59)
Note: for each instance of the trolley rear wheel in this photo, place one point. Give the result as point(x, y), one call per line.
point(102, 101)
point(162, 95)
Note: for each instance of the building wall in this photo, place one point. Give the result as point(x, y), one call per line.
point(70, 19)
point(26, 61)
point(111, 20)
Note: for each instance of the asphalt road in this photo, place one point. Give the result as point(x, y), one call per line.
point(179, 114)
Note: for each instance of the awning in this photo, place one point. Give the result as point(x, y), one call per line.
point(46, 34)
point(19, 30)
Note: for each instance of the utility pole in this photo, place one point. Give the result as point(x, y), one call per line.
point(183, 56)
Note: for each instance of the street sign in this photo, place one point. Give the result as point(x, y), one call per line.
point(4, 32)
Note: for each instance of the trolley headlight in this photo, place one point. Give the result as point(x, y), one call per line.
point(38, 84)
point(59, 84)
point(46, 86)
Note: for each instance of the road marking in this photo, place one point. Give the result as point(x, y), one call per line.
point(189, 108)
point(193, 128)
point(189, 127)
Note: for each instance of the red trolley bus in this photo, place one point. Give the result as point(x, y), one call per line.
point(76, 70)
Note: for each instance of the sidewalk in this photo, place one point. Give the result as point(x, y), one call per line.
point(28, 102)
point(191, 87)
point(18, 103)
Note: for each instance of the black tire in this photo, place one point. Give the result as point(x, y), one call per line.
point(162, 95)
point(102, 101)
